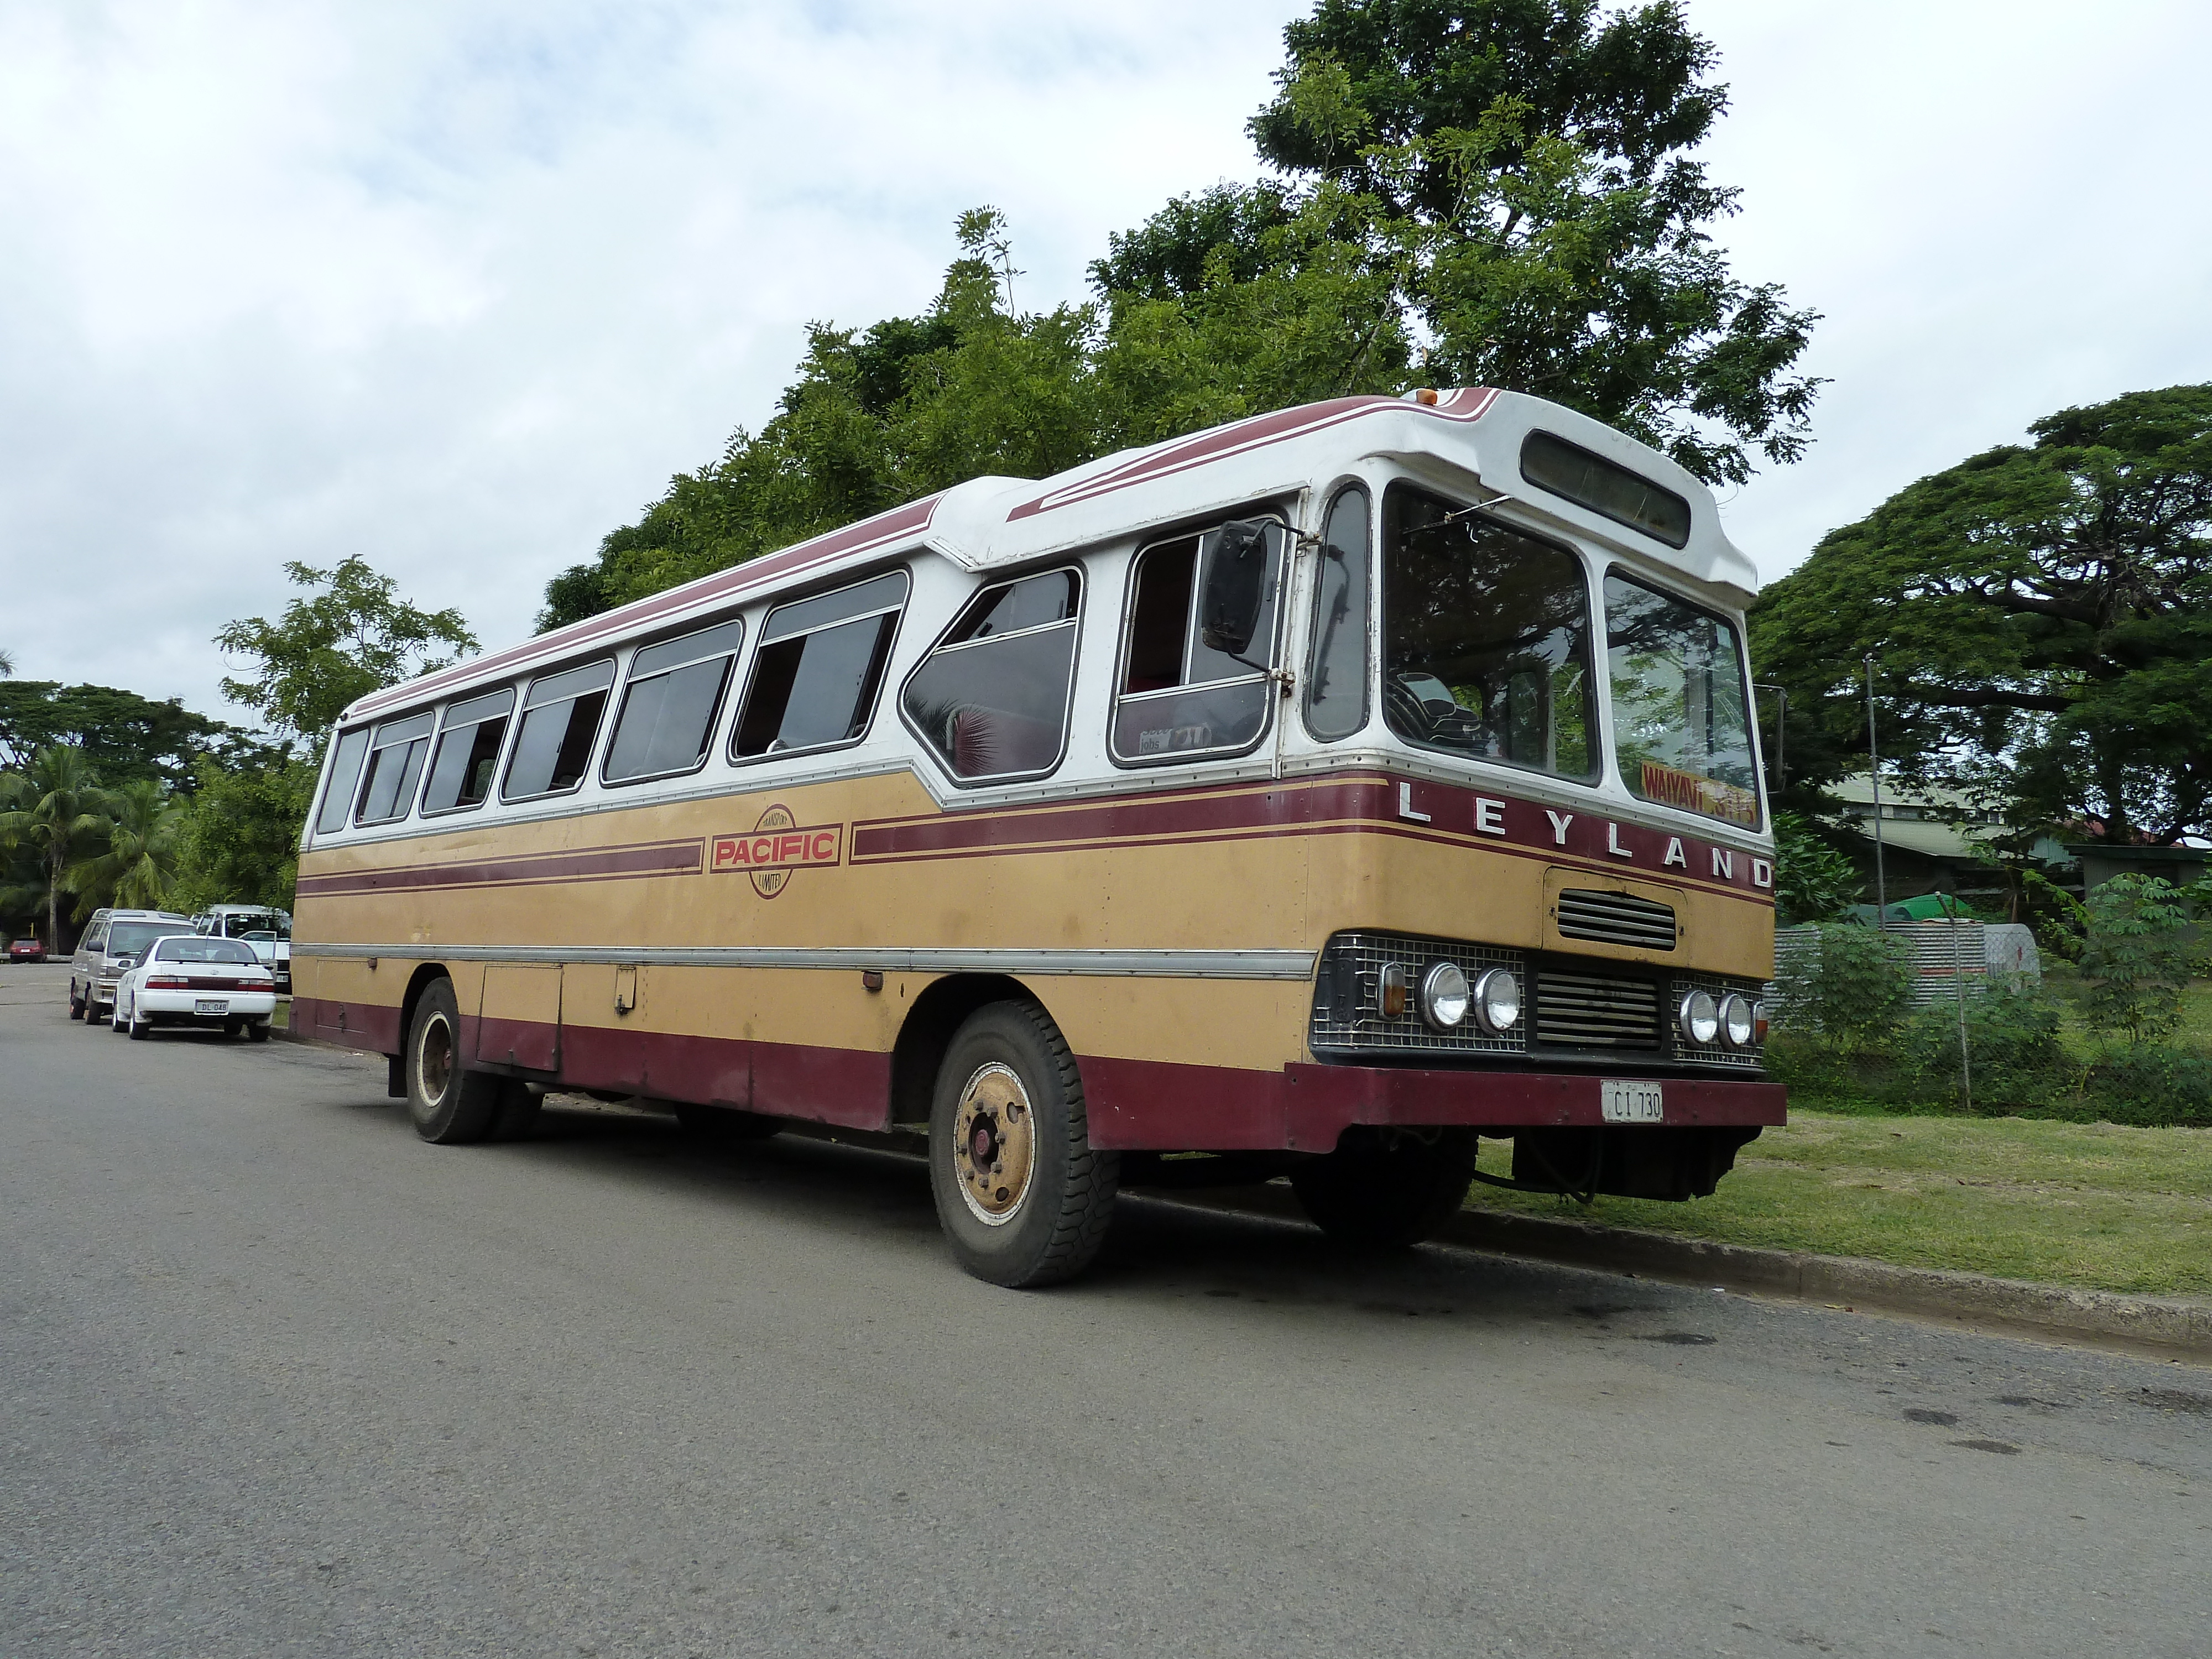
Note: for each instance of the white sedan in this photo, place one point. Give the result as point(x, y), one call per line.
point(187, 980)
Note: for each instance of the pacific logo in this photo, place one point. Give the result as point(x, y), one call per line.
point(777, 845)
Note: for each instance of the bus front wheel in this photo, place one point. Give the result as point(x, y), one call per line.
point(450, 1106)
point(1023, 1196)
point(1389, 1190)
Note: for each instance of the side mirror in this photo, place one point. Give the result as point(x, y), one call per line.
point(1235, 585)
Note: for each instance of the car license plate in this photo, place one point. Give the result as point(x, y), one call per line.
point(211, 1006)
point(1634, 1101)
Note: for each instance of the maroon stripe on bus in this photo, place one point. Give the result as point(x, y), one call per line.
point(680, 858)
point(1446, 812)
point(885, 527)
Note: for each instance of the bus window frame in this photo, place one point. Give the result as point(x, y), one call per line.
point(628, 680)
point(498, 761)
point(406, 808)
point(332, 785)
point(1370, 620)
point(1275, 515)
point(758, 635)
point(522, 712)
point(1651, 584)
point(1003, 579)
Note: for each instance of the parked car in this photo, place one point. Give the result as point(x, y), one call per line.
point(27, 950)
point(186, 979)
point(111, 947)
point(265, 927)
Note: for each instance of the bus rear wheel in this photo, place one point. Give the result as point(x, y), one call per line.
point(450, 1106)
point(1024, 1197)
point(1386, 1190)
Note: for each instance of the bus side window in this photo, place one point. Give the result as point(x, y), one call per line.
point(992, 698)
point(345, 772)
point(468, 752)
point(817, 668)
point(395, 765)
point(1336, 672)
point(668, 709)
point(560, 721)
point(1177, 696)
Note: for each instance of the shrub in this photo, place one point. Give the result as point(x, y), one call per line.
point(1813, 882)
point(1853, 990)
point(2149, 1085)
point(2013, 1041)
point(2137, 958)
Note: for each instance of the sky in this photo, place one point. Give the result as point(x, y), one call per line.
point(458, 286)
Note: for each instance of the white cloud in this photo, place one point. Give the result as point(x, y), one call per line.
point(456, 287)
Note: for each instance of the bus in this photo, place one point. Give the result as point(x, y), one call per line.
point(1307, 798)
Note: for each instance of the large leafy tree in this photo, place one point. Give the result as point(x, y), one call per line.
point(124, 737)
point(238, 843)
point(2040, 618)
point(139, 864)
point(351, 635)
point(1505, 186)
point(59, 811)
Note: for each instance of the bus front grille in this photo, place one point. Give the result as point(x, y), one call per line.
point(1616, 919)
point(1592, 1011)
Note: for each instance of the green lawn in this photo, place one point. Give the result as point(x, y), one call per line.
point(2082, 1203)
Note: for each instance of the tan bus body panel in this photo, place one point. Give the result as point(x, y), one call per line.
point(796, 936)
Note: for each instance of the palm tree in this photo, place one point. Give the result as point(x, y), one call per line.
point(65, 817)
point(142, 855)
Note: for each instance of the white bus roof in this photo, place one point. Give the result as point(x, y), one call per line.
point(990, 523)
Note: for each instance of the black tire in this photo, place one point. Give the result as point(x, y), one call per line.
point(233, 1029)
point(517, 1118)
point(139, 1028)
point(725, 1125)
point(1381, 1191)
point(451, 1107)
point(258, 1031)
point(76, 1002)
point(94, 1017)
point(1036, 1212)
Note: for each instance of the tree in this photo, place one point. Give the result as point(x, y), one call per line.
point(1536, 224)
point(140, 860)
point(1813, 881)
point(337, 645)
point(124, 737)
point(2039, 615)
point(239, 842)
point(59, 813)
point(2138, 956)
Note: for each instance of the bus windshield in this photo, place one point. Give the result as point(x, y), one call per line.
point(1486, 639)
point(1679, 715)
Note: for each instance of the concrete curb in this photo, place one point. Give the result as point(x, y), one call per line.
point(2162, 1327)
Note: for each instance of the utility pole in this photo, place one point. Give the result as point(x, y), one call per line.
point(1874, 772)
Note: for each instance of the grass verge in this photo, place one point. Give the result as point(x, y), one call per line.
point(2090, 1205)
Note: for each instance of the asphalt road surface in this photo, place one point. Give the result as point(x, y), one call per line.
point(276, 1378)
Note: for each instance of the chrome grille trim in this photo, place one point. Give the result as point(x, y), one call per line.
point(1606, 918)
point(1715, 1052)
point(1354, 959)
point(1596, 1011)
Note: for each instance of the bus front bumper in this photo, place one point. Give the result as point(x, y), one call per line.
point(1149, 1104)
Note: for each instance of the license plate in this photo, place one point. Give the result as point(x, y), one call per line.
point(211, 1006)
point(1630, 1101)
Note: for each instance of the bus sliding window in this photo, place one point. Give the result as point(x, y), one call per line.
point(1178, 696)
point(395, 766)
point(560, 721)
point(668, 709)
point(468, 752)
point(992, 699)
point(345, 772)
point(818, 666)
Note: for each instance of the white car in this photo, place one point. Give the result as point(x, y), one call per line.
point(186, 979)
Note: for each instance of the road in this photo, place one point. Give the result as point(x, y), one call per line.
point(276, 1378)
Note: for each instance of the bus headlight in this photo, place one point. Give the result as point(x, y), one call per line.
point(1497, 1001)
point(1737, 1020)
point(1444, 996)
point(1699, 1019)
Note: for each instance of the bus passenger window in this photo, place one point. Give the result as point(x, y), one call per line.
point(817, 668)
point(1178, 696)
point(992, 699)
point(395, 765)
point(1336, 671)
point(560, 719)
point(468, 751)
point(668, 709)
point(345, 772)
